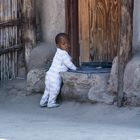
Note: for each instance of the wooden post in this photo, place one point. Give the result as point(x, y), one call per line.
point(125, 44)
point(72, 28)
point(29, 28)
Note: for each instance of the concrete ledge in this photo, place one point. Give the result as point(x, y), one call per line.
point(86, 87)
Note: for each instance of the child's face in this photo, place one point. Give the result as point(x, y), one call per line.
point(64, 44)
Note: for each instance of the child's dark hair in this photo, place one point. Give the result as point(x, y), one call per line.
point(58, 37)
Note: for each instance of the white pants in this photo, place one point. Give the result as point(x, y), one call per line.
point(52, 88)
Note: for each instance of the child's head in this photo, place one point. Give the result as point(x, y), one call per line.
point(62, 41)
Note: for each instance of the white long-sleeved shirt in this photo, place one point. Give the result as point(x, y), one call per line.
point(61, 63)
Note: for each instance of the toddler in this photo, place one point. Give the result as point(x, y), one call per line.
point(61, 63)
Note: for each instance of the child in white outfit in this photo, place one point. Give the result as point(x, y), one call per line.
point(61, 63)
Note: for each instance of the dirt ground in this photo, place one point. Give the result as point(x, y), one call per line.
point(21, 118)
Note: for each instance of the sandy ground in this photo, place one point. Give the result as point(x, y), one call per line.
point(21, 118)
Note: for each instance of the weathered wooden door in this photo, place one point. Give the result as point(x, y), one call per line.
point(17, 31)
point(10, 37)
point(99, 22)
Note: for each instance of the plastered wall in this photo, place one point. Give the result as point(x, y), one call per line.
point(51, 18)
point(136, 26)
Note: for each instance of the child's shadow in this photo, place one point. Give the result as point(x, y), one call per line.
point(59, 97)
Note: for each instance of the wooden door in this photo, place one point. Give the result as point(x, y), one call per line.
point(10, 38)
point(99, 22)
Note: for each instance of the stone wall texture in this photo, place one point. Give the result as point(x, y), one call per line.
point(86, 87)
point(131, 80)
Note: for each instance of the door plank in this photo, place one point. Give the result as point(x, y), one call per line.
point(84, 30)
point(98, 29)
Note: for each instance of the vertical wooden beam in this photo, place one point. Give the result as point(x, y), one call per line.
point(71, 8)
point(29, 28)
point(125, 44)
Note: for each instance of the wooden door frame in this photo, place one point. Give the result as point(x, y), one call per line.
point(71, 14)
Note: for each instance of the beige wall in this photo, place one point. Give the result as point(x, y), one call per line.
point(136, 28)
point(52, 18)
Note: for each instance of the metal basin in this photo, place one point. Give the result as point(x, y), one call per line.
point(94, 67)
